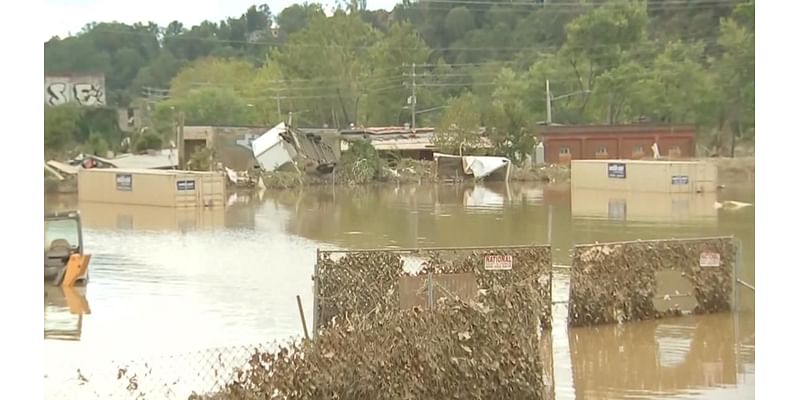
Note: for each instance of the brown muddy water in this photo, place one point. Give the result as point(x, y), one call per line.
point(167, 282)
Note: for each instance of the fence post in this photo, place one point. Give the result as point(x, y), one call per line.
point(315, 283)
point(430, 291)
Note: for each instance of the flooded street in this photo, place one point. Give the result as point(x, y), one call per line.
point(166, 281)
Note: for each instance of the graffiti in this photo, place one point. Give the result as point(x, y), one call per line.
point(84, 90)
point(87, 94)
point(57, 94)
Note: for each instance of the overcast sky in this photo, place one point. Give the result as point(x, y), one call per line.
point(69, 16)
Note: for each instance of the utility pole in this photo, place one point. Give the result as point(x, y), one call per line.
point(549, 100)
point(278, 100)
point(413, 98)
point(180, 120)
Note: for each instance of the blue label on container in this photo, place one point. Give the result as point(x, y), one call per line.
point(616, 170)
point(680, 180)
point(125, 182)
point(186, 185)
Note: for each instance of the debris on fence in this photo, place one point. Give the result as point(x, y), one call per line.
point(353, 283)
point(619, 282)
point(456, 350)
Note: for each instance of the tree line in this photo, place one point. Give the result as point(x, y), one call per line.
point(473, 65)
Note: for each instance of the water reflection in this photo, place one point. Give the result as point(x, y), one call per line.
point(654, 358)
point(165, 281)
point(644, 207)
point(64, 309)
point(105, 216)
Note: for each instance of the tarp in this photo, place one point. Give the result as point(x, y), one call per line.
point(483, 166)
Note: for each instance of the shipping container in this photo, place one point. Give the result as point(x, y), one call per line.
point(160, 188)
point(644, 176)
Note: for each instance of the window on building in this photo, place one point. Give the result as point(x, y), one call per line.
point(602, 149)
point(564, 151)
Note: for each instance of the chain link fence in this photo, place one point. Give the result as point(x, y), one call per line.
point(640, 280)
point(181, 376)
point(350, 283)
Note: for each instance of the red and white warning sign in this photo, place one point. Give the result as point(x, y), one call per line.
point(498, 262)
point(709, 259)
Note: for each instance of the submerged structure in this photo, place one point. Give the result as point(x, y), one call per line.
point(285, 147)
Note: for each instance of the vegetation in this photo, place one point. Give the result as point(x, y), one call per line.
point(619, 62)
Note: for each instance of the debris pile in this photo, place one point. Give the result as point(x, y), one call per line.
point(613, 283)
point(457, 350)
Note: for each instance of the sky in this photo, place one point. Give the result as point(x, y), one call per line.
point(66, 17)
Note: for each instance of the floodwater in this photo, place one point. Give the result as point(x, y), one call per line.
point(166, 283)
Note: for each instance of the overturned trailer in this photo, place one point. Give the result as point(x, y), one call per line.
point(285, 147)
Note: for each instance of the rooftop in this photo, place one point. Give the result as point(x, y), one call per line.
point(627, 128)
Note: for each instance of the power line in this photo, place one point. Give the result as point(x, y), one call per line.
point(361, 47)
point(365, 81)
point(579, 5)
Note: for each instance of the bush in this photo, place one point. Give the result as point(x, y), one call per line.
point(201, 160)
point(361, 163)
point(148, 141)
point(96, 145)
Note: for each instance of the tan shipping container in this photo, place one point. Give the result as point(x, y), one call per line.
point(146, 187)
point(644, 176)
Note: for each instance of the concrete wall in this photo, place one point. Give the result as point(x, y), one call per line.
point(84, 90)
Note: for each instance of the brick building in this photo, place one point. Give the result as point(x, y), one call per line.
point(592, 142)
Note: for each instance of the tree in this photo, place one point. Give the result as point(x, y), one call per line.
point(208, 106)
point(601, 40)
point(459, 21)
point(60, 126)
point(214, 72)
point(459, 128)
point(386, 94)
point(330, 57)
point(508, 121)
point(735, 72)
point(296, 17)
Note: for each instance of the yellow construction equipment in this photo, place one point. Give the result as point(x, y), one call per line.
point(65, 263)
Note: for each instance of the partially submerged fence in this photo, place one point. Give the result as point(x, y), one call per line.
point(350, 283)
point(640, 280)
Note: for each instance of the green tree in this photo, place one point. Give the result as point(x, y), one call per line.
point(458, 22)
point(459, 128)
point(296, 17)
point(735, 71)
point(334, 82)
point(508, 122)
point(60, 127)
point(385, 95)
point(212, 72)
point(601, 41)
point(207, 106)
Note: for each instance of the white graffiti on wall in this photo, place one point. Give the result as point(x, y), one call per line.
point(85, 90)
